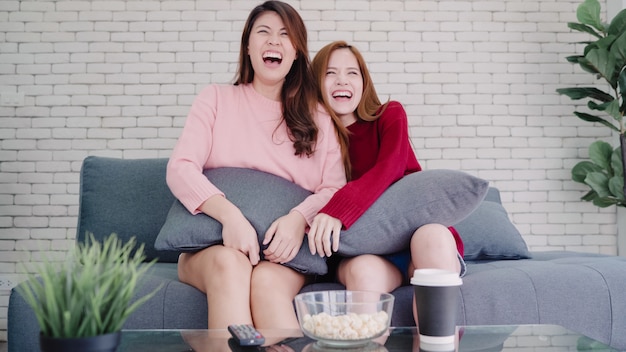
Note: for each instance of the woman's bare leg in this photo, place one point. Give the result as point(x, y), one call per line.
point(369, 272)
point(433, 246)
point(223, 274)
point(273, 288)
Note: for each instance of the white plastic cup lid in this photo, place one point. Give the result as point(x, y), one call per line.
point(435, 277)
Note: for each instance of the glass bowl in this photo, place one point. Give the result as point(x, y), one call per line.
point(342, 318)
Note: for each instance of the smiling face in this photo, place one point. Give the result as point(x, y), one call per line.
point(270, 49)
point(343, 84)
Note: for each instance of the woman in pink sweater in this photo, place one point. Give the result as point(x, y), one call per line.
point(269, 120)
point(380, 154)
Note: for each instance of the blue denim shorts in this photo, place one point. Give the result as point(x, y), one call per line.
point(401, 260)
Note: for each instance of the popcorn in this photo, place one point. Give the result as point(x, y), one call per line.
point(351, 326)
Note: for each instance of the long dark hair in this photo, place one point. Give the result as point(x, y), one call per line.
point(298, 93)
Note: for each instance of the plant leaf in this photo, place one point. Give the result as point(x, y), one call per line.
point(595, 106)
point(580, 170)
point(603, 43)
point(589, 196)
point(574, 58)
point(618, 49)
point(604, 62)
point(604, 202)
point(587, 66)
point(611, 108)
point(599, 182)
point(577, 93)
point(621, 83)
point(617, 162)
point(589, 13)
point(583, 28)
point(616, 187)
point(592, 118)
point(600, 153)
point(618, 23)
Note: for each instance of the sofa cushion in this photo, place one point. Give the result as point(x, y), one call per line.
point(488, 234)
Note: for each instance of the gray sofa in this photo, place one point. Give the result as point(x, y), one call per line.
point(583, 292)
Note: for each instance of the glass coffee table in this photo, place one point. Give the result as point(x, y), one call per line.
point(524, 338)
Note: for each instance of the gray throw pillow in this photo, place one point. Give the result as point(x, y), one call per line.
point(488, 234)
point(262, 198)
point(430, 196)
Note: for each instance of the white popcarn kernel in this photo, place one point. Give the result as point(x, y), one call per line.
point(345, 327)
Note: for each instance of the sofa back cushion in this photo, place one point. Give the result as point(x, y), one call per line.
point(489, 234)
point(128, 197)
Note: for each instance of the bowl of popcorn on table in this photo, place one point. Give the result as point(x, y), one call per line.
point(343, 318)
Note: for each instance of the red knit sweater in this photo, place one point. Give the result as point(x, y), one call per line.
point(380, 154)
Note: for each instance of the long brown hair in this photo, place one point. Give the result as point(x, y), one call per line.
point(298, 92)
point(369, 108)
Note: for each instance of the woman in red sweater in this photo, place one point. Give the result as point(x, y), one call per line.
point(380, 154)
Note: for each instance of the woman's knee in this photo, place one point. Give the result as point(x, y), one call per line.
point(369, 272)
point(433, 235)
point(263, 276)
point(434, 246)
point(214, 262)
point(362, 267)
point(268, 277)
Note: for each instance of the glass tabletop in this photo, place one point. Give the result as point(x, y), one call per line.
point(520, 338)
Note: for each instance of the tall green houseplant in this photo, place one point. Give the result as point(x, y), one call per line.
point(605, 57)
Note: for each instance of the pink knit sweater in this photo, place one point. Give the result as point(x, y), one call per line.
point(234, 126)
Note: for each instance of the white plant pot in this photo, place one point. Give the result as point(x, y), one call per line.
point(621, 231)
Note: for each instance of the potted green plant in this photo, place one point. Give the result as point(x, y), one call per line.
point(605, 57)
point(81, 303)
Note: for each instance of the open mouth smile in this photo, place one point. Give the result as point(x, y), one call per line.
point(342, 94)
point(272, 57)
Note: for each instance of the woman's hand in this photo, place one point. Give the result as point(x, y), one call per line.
point(237, 232)
point(284, 237)
point(323, 228)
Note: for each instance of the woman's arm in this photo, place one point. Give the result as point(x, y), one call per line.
point(191, 152)
point(286, 235)
point(188, 183)
point(351, 201)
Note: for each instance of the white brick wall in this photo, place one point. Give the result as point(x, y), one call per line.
point(116, 78)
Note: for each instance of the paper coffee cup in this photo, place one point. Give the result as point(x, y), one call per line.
point(436, 299)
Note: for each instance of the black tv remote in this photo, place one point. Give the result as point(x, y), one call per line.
point(236, 347)
point(246, 335)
